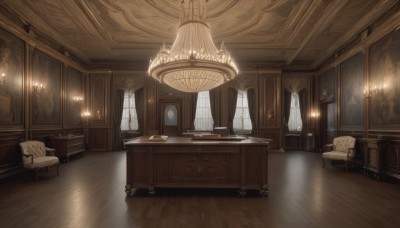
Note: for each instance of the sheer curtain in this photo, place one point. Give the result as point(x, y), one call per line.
point(129, 115)
point(295, 117)
point(203, 118)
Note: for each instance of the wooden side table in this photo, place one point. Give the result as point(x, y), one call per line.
point(68, 145)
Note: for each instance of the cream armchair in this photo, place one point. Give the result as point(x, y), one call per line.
point(36, 156)
point(342, 149)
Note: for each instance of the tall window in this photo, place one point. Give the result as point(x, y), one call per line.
point(295, 123)
point(242, 121)
point(129, 115)
point(203, 119)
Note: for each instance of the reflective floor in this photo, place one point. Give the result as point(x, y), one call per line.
point(90, 193)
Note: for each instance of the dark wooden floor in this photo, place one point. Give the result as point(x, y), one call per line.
point(90, 193)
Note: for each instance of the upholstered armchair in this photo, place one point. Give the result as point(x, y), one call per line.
point(342, 150)
point(36, 156)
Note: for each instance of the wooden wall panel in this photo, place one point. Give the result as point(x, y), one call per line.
point(274, 134)
point(10, 153)
point(384, 82)
point(74, 99)
point(352, 93)
point(99, 139)
point(150, 117)
point(11, 92)
point(9, 148)
point(269, 95)
point(46, 91)
point(99, 95)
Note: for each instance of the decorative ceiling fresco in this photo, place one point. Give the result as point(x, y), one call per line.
point(285, 33)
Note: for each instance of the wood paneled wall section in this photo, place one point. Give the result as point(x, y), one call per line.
point(269, 121)
point(100, 124)
point(11, 134)
point(151, 107)
point(9, 150)
point(377, 52)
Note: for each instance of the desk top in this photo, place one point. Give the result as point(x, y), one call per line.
point(144, 140)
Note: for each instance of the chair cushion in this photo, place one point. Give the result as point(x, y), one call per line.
point(36, 148)
point(343, 143)
point(335, 155)
point(41, 162)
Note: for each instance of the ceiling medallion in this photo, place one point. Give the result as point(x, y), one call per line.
point(193, 63)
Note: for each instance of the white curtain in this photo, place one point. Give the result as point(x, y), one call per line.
point(295, 123)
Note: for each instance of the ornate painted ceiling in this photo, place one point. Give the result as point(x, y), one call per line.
point(285, 33)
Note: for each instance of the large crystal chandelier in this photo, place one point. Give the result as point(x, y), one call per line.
point(193, 63)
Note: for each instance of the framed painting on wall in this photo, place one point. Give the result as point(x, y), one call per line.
point(11, 80)
point(384, 82)
point(75, 98)
point(46, 90)
point(352, 92)
point(327, 85)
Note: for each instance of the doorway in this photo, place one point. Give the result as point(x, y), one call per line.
point(328, 123)
point(170, 117)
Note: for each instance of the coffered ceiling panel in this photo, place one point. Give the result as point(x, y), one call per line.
point(301, 33)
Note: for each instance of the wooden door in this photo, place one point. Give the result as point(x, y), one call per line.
point(328, 123)
point(170, 117)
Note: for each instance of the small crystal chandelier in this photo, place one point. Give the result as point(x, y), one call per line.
point(193, 63)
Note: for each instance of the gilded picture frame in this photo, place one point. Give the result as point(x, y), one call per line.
point(74, 99)
point(11, 80)
point(383, 89)
point(46, 90)
point(352, 92)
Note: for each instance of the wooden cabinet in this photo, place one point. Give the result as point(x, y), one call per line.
point(381, 157)
point(373, 150)
point(293, 142)
point(182, 163)
point(391, 159)
point(68, 145)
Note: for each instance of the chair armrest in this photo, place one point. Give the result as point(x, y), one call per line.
point(29, 155)
point(50, 151)
point(348, 152)
point(328, 146)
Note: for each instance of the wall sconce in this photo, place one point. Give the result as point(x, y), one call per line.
point(38, 88)
point(374, 90)
point(86, 114)
point(77, 98)
point(3, 79)
point(314, 114)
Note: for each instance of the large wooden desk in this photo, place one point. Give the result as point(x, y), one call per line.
point(186, 163)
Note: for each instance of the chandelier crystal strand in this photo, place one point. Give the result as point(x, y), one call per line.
point(193, 63)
